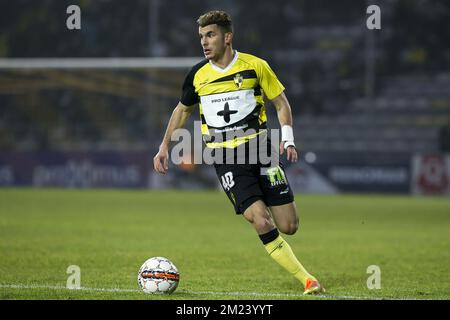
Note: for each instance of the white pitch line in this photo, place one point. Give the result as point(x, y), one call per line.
point(285, 295)
point(256, 294)
point(23, 286)
point(239, 293)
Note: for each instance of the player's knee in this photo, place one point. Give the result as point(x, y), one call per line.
point(290, 227)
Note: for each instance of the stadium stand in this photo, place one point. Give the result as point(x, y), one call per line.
point(318, 52)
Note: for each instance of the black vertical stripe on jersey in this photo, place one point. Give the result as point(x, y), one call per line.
point(188, 96)
point(246, 74)
point(202, 117)
point(257, 91)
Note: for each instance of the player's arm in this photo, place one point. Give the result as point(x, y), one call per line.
point(274, 91)
point(284, 114)
point(177, 120)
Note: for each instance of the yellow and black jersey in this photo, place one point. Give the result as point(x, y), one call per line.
point(231, 100)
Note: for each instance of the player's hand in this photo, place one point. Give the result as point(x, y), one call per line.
point(161, 161)
point(291, 152)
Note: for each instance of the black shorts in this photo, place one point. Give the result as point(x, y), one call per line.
point(246, 183)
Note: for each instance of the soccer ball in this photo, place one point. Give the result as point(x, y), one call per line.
point(158, 275)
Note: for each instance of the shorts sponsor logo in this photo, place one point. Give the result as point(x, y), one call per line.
point(276, 176)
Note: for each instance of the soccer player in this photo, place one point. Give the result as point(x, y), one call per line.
point(229, 87)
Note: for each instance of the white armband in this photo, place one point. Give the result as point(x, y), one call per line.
point(287, 135)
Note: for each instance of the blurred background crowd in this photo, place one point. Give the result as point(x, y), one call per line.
point(360, 98)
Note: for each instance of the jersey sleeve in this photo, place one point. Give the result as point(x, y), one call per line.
point(268, 80)
point(188, 96)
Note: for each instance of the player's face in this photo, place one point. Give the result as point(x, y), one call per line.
point(213, 41)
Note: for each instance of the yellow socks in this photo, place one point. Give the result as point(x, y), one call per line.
point(282, 253)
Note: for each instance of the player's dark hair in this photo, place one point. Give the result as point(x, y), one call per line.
point(221, 18)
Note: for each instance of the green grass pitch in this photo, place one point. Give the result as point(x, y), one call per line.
point(110, 233)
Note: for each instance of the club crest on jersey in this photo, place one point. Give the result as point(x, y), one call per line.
point(238, 80)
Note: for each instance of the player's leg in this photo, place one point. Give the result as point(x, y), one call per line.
point(280, 199)
point(277, 247)
point(241, 184)
point(285, 217)
point(259, 217)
